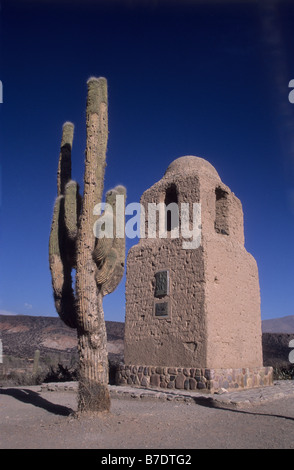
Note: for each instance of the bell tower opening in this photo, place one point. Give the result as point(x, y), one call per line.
point(221, 223)
point(171, 197)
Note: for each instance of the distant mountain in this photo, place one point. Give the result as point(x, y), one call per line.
point(279, 325)
point(22, 334)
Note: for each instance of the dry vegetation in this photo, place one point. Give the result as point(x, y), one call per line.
point(23, 335)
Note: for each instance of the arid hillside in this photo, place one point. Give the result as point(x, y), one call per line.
point(279, 325)
point(21, 335)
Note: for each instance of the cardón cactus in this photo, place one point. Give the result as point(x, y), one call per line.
point(98, 262)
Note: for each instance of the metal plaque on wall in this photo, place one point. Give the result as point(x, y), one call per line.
point(161, 283)
point(161, 309)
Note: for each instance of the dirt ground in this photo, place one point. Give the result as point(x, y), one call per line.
point(31, 419)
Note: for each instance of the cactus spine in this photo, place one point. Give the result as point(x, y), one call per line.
point(99, 263)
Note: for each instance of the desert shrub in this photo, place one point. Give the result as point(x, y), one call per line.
point(60, 373)
point(284, 372)
point(24, 378)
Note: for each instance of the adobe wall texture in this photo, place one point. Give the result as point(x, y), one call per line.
point(213, 315)
point(233, 307)
point(179, 339)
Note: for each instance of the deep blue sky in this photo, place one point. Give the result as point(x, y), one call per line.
point(203, 79)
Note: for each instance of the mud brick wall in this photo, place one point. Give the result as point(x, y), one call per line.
point(209, 316)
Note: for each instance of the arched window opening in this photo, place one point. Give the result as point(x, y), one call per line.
point(172, 216)
point(221, 223)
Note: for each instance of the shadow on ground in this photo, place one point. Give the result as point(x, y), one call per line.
point(209, 402)
point(34, 398)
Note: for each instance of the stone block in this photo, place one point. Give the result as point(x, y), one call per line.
point(145, 382)
point(180, 381)
point(192, 384)
point(155, 380)
point(201, 385)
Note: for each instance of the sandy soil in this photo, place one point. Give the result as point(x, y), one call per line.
point(31, 419)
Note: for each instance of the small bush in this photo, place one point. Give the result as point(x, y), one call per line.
point(284, 373)
point(24, 378)
point(60, 373)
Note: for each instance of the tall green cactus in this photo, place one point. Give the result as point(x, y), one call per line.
point(99, 262)
point(36, 362)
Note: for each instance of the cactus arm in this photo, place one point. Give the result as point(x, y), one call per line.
point(60, 247)
point(72, 205)
point(104, 273)
point(103, 244)
point(64, 163)
point(72, 210)
point(109, 253)
point(101, 250)
point(119, 246)
point(55, 261)
point(54, 248)
point(60, 270)
point(114, 277)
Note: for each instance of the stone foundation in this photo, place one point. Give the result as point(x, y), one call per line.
point(210, 380)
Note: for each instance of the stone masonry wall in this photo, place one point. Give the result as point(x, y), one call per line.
point(209, 380)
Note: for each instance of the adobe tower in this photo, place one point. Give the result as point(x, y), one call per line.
point(193, 313)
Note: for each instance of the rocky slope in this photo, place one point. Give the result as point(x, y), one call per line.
point(22, 334)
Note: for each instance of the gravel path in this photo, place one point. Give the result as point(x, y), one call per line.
point(42, 418)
